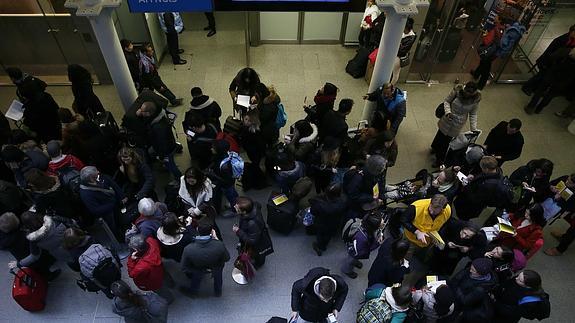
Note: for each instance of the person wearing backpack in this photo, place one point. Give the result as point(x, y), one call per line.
point(391, 307)
point(138, 307)
point(328, 212)
point(49, 196)
point(521, 297)
point(490, 188)
point(360, 243)
point(361, 184)
point(200, 134)
point(317, 295)
point(225, 168)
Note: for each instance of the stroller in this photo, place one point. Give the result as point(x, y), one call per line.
point(411, 190)
point(460, 147)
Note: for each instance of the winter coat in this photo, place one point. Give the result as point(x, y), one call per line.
point(221, 175)
point(304, 147)
point(34, 159)
point(499, 143)
point(376, 146)
point(149, 225)
point(527, 174)
point(147, 270)
point(86, 102)
point(457, 111)
point(472, 295)
point(204, 253)
point(29, 87)
point(65, 161)
point(333, 125)
point(145, 185)
point(526, 236)
point(305, 301)
point(99, 203)
point(450, 232)
point(251, 228)
point(138, 127)
point(358, 187)
point(362, 244)
point(200, 145)
point(154, 310)
point(12, 199)
point(482, 191)
point(16, 243)
point(41, 116)
point(160, 135)
point(173, 246)
point(287, 178)
point(545, 59)
point(208, 108)
point(192, 205)
point(508, 309)
point(47, 238)
point(383, 269)
point(327, 213)
point(268, 111)
point(388, 110)
point(133, 60)
point(55, 201)
point(428, 299)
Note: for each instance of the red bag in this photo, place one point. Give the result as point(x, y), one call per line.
point(29, 290)
point(234, 146)
point(373, 55)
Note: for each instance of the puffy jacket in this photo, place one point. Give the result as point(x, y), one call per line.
point(208, 108)
point(47, 238)
point(457, 111)
point(147, 270)
point(305, 301)
point(392, 110)
point(98, 203)
point(362, 244)
point(251, 227)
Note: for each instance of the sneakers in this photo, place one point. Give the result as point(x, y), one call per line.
point(552, 252)
point(317, 249)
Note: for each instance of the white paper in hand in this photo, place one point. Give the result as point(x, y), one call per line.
point(15, 111)
point(243, 100)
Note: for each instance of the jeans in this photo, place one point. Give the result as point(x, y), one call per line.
point(171, 166)
point(196, 276)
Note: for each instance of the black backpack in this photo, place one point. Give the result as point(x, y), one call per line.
point(70, 178)
point(106, 272)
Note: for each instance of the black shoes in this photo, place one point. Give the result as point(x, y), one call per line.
point(177, 102)
point(357, 264)
point(53, 275)
point(181, 62)
point(211, 33)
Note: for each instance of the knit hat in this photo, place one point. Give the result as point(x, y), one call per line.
point(147, 207)
point(483, 266)
point(329, 89)
point(375, 165)
point(53, 148)
point(444, 299)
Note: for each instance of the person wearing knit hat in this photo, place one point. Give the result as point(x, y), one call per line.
point(364, 185)
point(481, 266)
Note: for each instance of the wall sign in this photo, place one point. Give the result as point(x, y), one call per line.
point(170, 5)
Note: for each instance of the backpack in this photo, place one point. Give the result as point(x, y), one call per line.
point(70, 178)
point(375, 291)
point(99, 262)
point(281, 117)
point(350, 228)
point(237, 164)
point(375, 310)
point(543, 309)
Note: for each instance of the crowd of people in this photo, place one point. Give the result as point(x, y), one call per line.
point(66, 176)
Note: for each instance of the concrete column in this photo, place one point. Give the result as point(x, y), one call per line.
point(571, 127)
point(107, 37)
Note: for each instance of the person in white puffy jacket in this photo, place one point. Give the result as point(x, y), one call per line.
point(370, 14)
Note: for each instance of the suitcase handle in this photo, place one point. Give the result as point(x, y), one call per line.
point(25, 278)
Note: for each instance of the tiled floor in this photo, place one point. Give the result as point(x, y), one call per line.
point(297, 72)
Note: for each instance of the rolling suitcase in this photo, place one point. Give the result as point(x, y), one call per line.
point(29, 289)
point(107, 125)
point(358, 64)
point(450, 47)
point(281, 216)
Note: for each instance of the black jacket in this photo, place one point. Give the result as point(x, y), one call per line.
point(136, 126)
point(333, 124)
point(133, 60)
point(327, 213)
point(309, 306)
point(472, 296)
point(86, 102)
point(499, 143)
point(545, 59)
point(251, 228)
point(208, 108)
point(144, 187)
point(526, 174)
point(383, 269)
point(200, 145)
point(483, 191)
point(221, 176)
point(41, 116)
point(358, 187)
point(508, 309)
point(204, 254)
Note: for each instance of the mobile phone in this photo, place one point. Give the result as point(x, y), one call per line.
point(190, 133)
point(331, 318)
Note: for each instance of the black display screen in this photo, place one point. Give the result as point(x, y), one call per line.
point(290, 5)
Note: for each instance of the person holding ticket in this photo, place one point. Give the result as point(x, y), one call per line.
point(562, 189)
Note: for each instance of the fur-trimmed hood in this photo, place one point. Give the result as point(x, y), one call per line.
point(200, 102)
point(311, 137)
point(43, 231)
point(55, 187)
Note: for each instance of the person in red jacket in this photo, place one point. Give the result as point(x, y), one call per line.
point(146, 269)
point(528, 228)
point(59, 161)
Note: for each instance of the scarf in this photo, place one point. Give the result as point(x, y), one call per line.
point(147, 64)
point(321, 99)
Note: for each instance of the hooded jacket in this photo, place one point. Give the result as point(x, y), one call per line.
point(251, 227)
point(307, 303)
point(499, 143)
point(48, 238)
point(457, 110)
point(268, 112)
point(147, 270)
point(160, 135)
point(173, 246)
point(155, 309)
point(101, 203)
point(55, 199)
point(208, 108)
point(333, 125)
point(304, 147)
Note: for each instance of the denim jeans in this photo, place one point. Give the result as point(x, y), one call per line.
point(196, 276)
point(171, 166)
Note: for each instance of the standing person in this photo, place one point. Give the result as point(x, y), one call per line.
point(206, 106)
point(250, 229)
point(174, 235)
point(445, 183)
point(133, 59)
point(392, 306)
point(361, 185)
point(438, 305)
point(367, 238)
point(41, 117)
point(328, 212)
point(390, 265)
point(505, 141)
point(27, 86)
point(267, 100)
point(244, 83)
point(317, 295)
point(533, 179)
point(565, 238)
point(134, 175)
point(487, 53)
point(369, 15)
point(206, 254)
point(407, 40)
point(137, 307)
point(222, 175)
point(49, 195)
point(391, 107)
point(150, 77)
point(159, 135)
point(334, 124)
point(303, 141)
point(86, 102)
point(200, 135)
point(324, 101)
point(462, 103)
point(211, 24)
point(522, 297)
point(172, 24)
point(146, 269)
point(21, 162)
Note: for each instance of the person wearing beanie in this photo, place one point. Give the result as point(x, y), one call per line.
point(206, 106)
point(303, 141)
point(438, 303)
point(324, 101)
point(490, 188)
point(361, 185)
point(471, 287)
point(151, 216)
point(221, 175)
point(61, 163)
point(391, 107)
point(333, 124)
point(423, 217)
point(21, 162)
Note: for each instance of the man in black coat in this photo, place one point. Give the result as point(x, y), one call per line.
point(250, 229)
point(206, 106)
point(328, 211)
point(483, 190)
point(333, 123)
point(41, 116)
point(317, 295)
point(200, 136)
point(27, 86)
point(505, 141)
point(360, 185)
point(133, 59)
point(171, 31)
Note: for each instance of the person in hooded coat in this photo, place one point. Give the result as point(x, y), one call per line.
point(221, 174)
point(138, 307)
point(86, 102)
point(206, 106)
point(267, 106)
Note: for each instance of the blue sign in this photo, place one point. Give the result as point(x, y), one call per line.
point(170, 5)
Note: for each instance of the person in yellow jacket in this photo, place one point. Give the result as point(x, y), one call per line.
point(425, 216)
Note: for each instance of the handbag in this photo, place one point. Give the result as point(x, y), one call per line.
point(440, 111)
point(265, 245)
point(243, 263)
